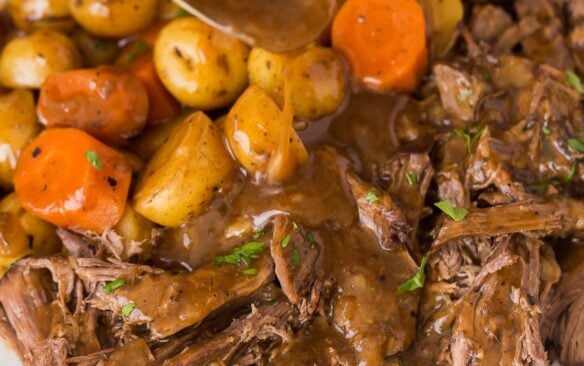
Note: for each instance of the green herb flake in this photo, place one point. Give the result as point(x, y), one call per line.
point(139, 47)
point(568, 178)
point(241, 255)
point(576, 144)
point(93, 159)
point(412, 178)
point(372, 197)
point(296, 257)
point(464, 95)
point(257, 235)
point(310, 238)
point(546, 130)
point(284, 242)
point(417, 280)
point(181, 13)
point(294, 225)
point(128, 308)
point(115, 284)
point(462, 134)
point(250, 271)
point(574, 80)
point(456, 213)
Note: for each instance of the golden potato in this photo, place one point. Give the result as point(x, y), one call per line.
point(95, 51)
point(18, 125)
point(27, 62)
point(146, 145)
point(13, 241)
point(317, 76)
point(184, 174)
point(41, 236)
point(202, 67)
point(262, 138)
point(36, 14)
point(113, 18)
point(136, 232)
point(167, 10)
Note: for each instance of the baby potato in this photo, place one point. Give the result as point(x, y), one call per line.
point(113, 18)
point(42, 238)
point(95, 51)
point(18, 125)
point(13, 241)
point(28, 61)
point(202, 67)
point(183, 175)
point(29, 15)
point(136, 232)
point(254, 129)
point(317, 77)
point(147, 143)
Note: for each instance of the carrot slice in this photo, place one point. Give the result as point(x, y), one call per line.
point(109, 103)
point(384, 42)
point(163, 106)
point(72, 180)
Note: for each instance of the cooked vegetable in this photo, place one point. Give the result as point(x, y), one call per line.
point(274, 25)
point(55, 181)
point(456, 213)
point(113, 18)
point(28, 61)
point(41, 235)
point(162, 105)
point(109, 103)
point(35, 14)
point(317, 79)
point(94, 51)
point(184, 174)
point(262, 138)
point(146, 145)
point(384, 42)
point(575, 81)
point(417, 281)
point(202, 67)
point(115, 284)
point(444, 18)
point(18, 126)
point(135, 231)
point(14, 242)
point(576, 144)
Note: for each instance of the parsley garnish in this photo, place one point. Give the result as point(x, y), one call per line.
point(310, 238)
point(417, 281)
point(456, 213)
point(115, 284)
point(181, 13)
point(464, 95)
point(93, 158)
point(412, 178)
point(258, 234)
point(128, 308)
point(568, 178)
point(546, 130)
point(241, 255)
point(574, 80)
point(576, 144)
point(468, 138)
point(555, 182)
point(250, 271)
point(138, 48)
point(284, 242)
point(372, 197)
point(296, 257)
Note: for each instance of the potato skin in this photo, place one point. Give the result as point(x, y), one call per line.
point(181, 178)
point(18, 126)
point(317, 74)
point(113, 18)
point(28, 61)
point(202, 67)
point(29, 15)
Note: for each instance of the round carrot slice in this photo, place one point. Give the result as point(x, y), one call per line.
point(384, 42)
point(72, 180)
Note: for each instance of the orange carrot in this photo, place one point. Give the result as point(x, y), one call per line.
point(109, 103)
point(163, 106)
point(72, 180)
point(384, 42)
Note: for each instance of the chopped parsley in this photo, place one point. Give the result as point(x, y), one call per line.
point(181, 12)
point(310, 238)
point(468, 138)
point(464, 95)
point(93, 159)
point(284, 242)
point(241, 255)
point(128, 308)
point(575, 81)
point(412, 178)
point(456, 213)
point(576, 144)
point(250, 271)
point(546, 130)
point(554, 181)
point(258, 234)
point(115, 284)
point(372, 197)
point(139, 47)
point(417, 280)
point(296, 257)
